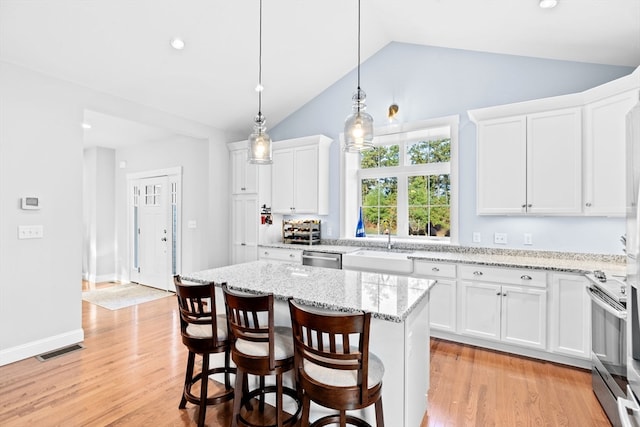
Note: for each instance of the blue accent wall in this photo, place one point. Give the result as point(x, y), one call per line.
point(428, 82)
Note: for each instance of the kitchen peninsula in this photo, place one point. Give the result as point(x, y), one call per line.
point(399, 324)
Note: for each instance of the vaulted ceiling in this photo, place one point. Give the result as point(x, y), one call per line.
point(122, 47)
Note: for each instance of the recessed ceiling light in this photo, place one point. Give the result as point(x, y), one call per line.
point(86, 126)
point(177, 43)
point(548, 4)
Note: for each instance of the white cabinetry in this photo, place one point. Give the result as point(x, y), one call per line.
point(244, 175)
point(244, 236)
point(507, 305)
point(530, 164)
point(300, 176)
point(570, 316)
point(281, 254)
point(604, 142)
point(442, 296)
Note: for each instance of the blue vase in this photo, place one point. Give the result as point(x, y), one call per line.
point(360, 227)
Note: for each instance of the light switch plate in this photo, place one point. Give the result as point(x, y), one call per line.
point(500, 238)
point(476, 237)
point(30, 232)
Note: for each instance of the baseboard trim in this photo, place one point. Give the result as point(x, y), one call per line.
point(44, 345)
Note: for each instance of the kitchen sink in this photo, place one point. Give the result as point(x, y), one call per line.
point(381, 260)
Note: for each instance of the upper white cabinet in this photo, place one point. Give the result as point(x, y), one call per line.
point(563, 155)
point(244, 175)
point(300, 176)
point(530, 164)
point(604, 125)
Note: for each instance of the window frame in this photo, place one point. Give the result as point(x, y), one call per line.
point(351, 174)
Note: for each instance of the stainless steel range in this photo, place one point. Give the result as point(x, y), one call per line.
point(608, 341)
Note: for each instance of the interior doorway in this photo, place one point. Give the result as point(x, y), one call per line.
point(154, 210)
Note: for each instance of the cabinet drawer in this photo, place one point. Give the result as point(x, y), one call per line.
point(279, 254)
point(513, 276)
point(434, 269)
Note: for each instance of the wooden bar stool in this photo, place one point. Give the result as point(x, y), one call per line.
point(259, 348)
point(333, 365)
point(203, 332)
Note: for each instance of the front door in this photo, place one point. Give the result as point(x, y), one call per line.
point(154, 233)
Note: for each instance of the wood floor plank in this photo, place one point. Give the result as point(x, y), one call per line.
point(131, 370)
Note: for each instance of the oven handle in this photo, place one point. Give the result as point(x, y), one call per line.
point(602, 304)
point(626, 405)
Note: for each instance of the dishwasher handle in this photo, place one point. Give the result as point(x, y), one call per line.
point(324, 258)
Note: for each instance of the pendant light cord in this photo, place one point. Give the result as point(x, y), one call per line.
point(358, 45)
point(260, 65)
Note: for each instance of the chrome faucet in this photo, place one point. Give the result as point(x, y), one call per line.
point(389, 244)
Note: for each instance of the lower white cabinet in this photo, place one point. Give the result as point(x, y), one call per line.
point(244, 236)
point(442, 296)
point(281, 254)
point(570, 316)
point(494, 305)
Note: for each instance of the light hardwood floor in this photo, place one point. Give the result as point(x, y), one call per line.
point(131, 370)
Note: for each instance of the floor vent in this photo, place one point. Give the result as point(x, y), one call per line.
point(59, 352)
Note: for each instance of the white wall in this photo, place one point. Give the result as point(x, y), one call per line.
point(192, 155)
point(99, 244)
point(41, 154)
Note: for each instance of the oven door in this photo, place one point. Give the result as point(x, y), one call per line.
point(629, 410)
point(608, 352)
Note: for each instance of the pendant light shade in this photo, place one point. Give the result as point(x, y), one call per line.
point(358, 127)
point(259, 141)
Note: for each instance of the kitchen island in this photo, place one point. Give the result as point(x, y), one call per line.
point(398, 305)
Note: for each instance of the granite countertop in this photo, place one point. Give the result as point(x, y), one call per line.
point(336, 249)
point(543, 260)
point(386, 296)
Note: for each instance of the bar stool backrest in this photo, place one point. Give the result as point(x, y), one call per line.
point(251, 318)
point(196, 303)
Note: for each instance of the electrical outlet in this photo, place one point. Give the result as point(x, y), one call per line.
point(476, 237)
point(500, 238)
point(329, 232)
point(528, 239)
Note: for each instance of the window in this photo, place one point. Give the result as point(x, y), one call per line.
point(404, 185)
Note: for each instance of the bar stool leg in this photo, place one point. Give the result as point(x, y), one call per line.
point(204, 385)
point(379, 414)
point(187, 379)
point(241, 379)
point(306, 404)
point(279, 392)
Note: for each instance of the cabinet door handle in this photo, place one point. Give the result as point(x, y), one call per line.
point(477, 273)
point(525, 277)
point(504, 294)
point(529, 205)
point(436, 269)
point(291, 256)
point(243, 244)
point(498, 293)
point(266, 253)
point(588, 204)
point(243, 188)
point(524, 206)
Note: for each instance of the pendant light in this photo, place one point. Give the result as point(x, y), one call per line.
point(259, 141)
point(358, 127)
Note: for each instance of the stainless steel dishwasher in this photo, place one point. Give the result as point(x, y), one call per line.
point(322, 259)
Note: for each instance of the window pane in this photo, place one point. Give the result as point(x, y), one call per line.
point(380, 157)
point(429, 205)
point(379, 205)
point(435, 151)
